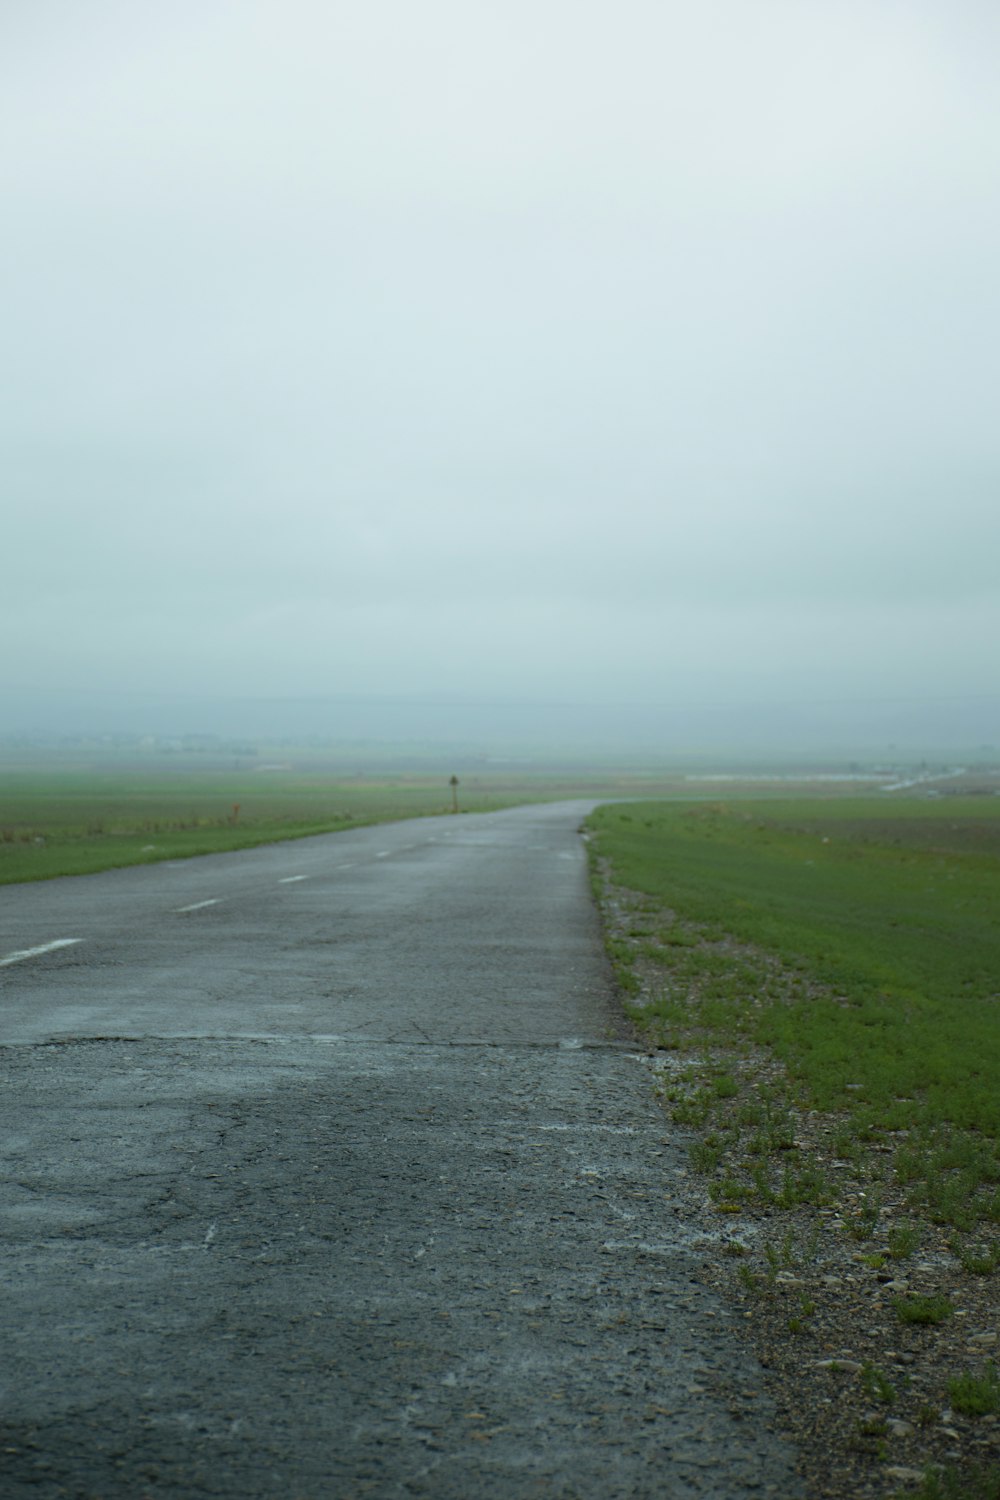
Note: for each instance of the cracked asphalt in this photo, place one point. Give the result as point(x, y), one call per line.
point(330, 1171)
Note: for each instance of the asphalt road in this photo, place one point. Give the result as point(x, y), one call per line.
point(330, 1172)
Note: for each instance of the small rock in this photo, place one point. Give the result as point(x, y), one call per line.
point(845, 1366)
point(898, 1429)
point(904, 1475)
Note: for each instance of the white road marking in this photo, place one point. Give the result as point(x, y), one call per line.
point(197, 905)
point(17, 958)
point(290, 879)
point(383, 854)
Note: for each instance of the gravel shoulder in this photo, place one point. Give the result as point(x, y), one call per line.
point(864, 1395)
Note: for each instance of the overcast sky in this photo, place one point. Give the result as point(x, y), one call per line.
point(544, 349)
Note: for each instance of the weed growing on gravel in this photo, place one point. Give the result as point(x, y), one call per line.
point(693, 1111)
point(806, 1185)
point(747, 1277)
point(782, 1257)
point(777, 1133)
point(729, 1190)
point(866, 1221)
point(976, 1260)
point(877, 1384)
point(847, 1145)
point(620, 954)
point(724, 1086)
point(956, 1484)
point(902, 1240)
point(976, 1395)
point(706, 1155)
point(929, 1310)
point(799, 1322)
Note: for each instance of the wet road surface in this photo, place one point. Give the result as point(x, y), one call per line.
point(329, 1172)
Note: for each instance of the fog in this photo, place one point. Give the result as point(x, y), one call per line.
point(486, 360)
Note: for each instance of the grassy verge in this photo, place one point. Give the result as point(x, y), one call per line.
point(823, 982)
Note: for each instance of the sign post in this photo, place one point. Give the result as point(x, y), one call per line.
point(454, 793)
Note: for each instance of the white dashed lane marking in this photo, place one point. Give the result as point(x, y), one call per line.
point(19, 957)
point(197, 905)
point(290, 879)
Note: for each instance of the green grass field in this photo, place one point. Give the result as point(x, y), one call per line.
point(856, 940)
point(75, 819)
point(77, 823)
